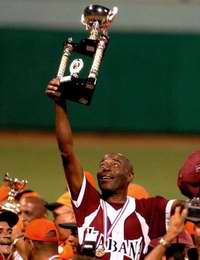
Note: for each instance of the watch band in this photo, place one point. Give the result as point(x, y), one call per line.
point(164, 243)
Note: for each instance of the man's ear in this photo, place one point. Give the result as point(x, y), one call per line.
point(130, 177)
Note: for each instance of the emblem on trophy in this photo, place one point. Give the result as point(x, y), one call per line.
point(16, 186)
point(97, 20)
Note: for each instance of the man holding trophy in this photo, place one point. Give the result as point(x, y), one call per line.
point(111, 224)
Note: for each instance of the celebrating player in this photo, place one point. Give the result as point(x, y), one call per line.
point(120, 226)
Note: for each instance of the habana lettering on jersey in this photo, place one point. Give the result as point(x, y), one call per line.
point(129, 248)
point(141, 221)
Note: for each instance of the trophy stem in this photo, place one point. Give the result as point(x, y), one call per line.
point(64, 60)
point(94, 32)
point(98, 57)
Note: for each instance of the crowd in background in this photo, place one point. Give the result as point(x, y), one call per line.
point(36, 218)
point(44, 230)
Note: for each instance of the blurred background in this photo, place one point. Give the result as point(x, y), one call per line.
point(146, 104)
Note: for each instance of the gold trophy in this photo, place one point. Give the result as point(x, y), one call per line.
point(97, 19)
point(16, 186)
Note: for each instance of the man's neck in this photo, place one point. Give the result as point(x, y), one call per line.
point(115, 198)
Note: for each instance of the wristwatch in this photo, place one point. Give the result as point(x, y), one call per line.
point(164, 243)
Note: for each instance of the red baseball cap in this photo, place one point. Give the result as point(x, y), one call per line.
point(189, 176)
point(41, 229)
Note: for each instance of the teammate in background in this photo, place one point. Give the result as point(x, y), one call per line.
point(63, 214)
point(176, 227)
point(41, 240)
point(137, 191)
point(121, 226)
point(31, 207)
point(7, 221)
point(188, 181)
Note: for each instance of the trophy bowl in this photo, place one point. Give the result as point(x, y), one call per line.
point(96, 13)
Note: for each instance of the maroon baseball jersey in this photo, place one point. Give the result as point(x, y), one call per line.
point(124, 231)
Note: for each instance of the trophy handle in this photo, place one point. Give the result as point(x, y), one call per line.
point(64, 60)
point(98, 57)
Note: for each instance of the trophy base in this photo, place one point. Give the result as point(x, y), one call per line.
point(78, 90)
point(86, 47)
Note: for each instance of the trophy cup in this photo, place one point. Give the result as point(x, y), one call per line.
point(97, 19)
point(16, 186)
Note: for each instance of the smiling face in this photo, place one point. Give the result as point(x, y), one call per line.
point(5, 238)
point(114, 174)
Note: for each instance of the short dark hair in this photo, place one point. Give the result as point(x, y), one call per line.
point(176, 250)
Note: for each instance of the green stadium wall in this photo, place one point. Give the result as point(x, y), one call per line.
point(148, 82)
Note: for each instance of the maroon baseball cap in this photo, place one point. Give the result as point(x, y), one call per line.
point(189, 176)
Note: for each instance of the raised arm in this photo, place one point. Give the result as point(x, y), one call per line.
point(71, 163)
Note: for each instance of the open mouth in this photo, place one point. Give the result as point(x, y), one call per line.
point(105, 178)
point(5, 241)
